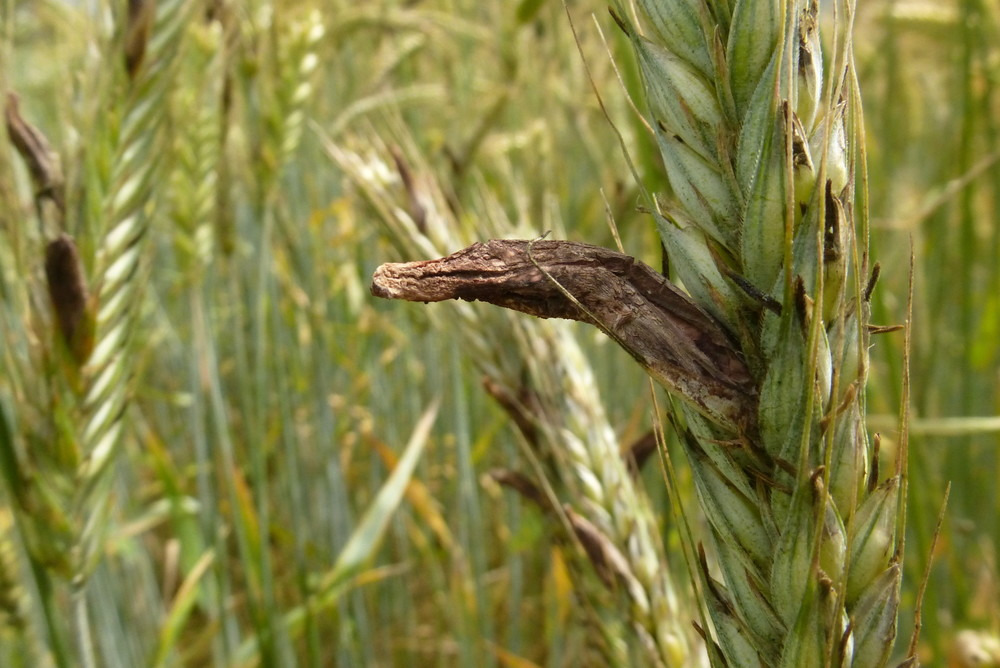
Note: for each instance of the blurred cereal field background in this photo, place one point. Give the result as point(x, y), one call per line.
point(279, 469)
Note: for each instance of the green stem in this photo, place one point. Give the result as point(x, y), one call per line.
point(56, 641)
point(81, 628)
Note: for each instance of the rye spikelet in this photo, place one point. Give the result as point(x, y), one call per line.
point(197, 147)
point(72, 386)
point(119, 265)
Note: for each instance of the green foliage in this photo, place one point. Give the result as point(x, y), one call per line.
point(261, 402)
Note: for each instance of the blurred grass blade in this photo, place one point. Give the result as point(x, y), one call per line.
point(184, 601)
point(369, 532)
point(422, 500)
point(527, 10)
point(364, 540)
point(509, 659)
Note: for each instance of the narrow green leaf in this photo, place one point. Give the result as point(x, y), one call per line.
point(364, 540)
point(180, 609)
point(368, 534)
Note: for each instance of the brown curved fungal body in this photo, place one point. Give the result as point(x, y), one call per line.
point(675, 340)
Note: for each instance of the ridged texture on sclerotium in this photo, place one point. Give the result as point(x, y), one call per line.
point(759, 145)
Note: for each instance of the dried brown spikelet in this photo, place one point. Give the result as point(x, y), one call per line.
point(524, 486)
point(69, 296)
point(137, 28)
point(42, 162)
